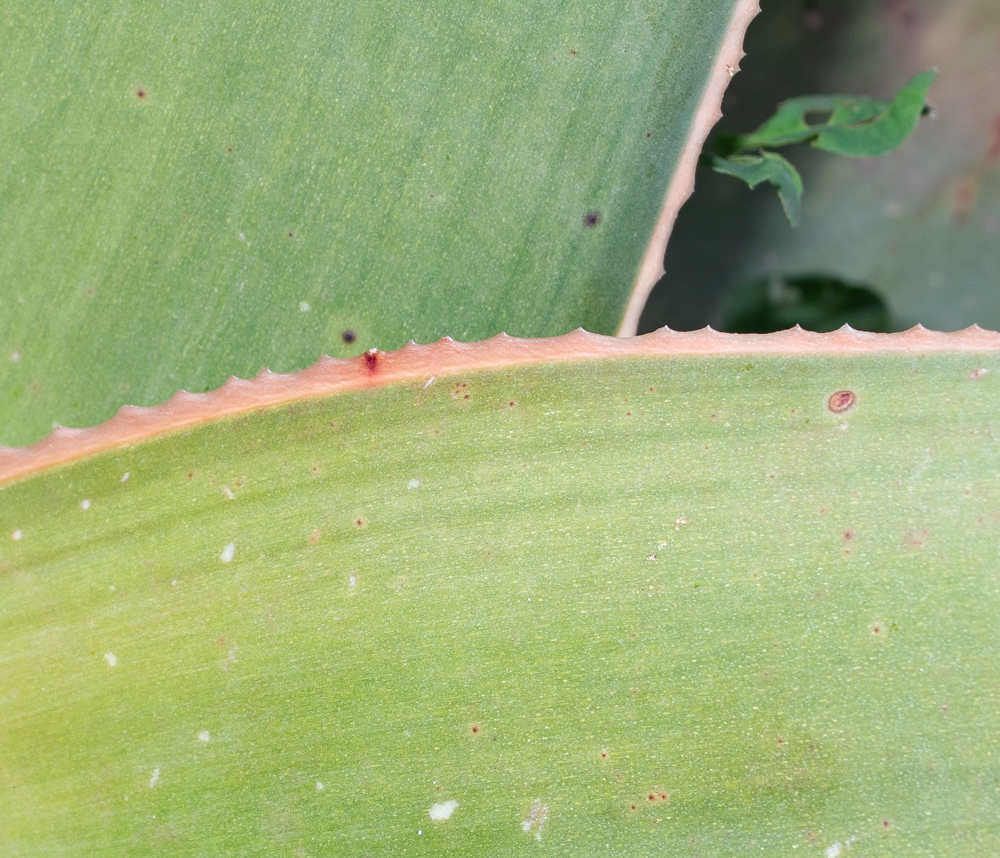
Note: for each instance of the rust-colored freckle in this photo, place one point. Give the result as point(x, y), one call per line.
point(140, 93)
point(475, 729)
point(841, 401)
point(359, 522)
point(314, 537)
point(371, 360)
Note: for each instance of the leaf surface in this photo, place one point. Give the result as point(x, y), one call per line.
point(604, 606)
point(192, 191)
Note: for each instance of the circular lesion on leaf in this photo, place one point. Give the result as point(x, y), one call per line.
point(841, 401)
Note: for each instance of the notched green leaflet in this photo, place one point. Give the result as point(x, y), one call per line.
point(851, 126)
point(858, 127)
point(767, 167)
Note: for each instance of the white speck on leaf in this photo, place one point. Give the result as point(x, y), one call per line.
point(444, 810)
point(125, 476)
point(204, 736)
point(111, 659)
point(303, 306)
point(352, 581)
point(429, 382)
point(85, 504)
point(228, 553)
point(833, 851)
point(228, 492)
point(16, 535)
point(15, 357)
point(154, 778)
point(680, 521)
point(413, 484)
point(319, 786)
point(978, 373)
point(535, 820)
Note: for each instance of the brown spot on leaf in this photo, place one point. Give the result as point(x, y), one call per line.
point(359, 522)
point(591, 219)
point(314, 537)
point(140, 92)
point(841, 401)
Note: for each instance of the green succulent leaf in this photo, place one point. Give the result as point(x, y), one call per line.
point(598, 608)
point(851, 126)
point(766, 167)
point(191, 191)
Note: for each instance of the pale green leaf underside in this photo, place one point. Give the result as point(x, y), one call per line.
point(681, 576)
point(192, 191)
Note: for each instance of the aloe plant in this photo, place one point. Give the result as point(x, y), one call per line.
point(591, 595)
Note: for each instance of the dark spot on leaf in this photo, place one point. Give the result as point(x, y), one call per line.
point(848, 535)
point(651, 797)
point(633, 807)
point(604, 755)
point(359, 522)
point(475, 729)
point(348, 336)
point(140, 93)
point(291, 235)
point(591, 219)
point(876, 630)
point(885, 823)
point(573, 52)
point(841, 401)
point(511, 404)
point(229, 148)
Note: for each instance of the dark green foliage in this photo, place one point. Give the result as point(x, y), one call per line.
point(816, 302)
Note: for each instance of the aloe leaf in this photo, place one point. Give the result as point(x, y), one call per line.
point(190, 191)
point(767, 167)
point(739, 593)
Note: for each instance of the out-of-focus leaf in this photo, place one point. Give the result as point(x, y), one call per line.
point(816, 302)
point(767, 167)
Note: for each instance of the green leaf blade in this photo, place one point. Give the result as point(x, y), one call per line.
point(189, 194)
point(875, 136)
point(767, 167)
point(636, 578)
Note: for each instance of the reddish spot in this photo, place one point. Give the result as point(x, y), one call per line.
point(876, 630)
point(314, 537)
point(315, 469)
point(511, 404)
point(651, 797)
point(229, 148)
point(140, 93)
point(649, 134)
point(781, 741)
point(903, 13)
point(848, 535)
point(885, 823)
point(628, 413)
point(475, 729)
point(371, 360)
point(633, 807)
point(944, 708)
point(965, 200)
point(591, 219)
point(604, 755)
point(348, 336)
point(359, 522)
point(993, 153)
point(841, 401)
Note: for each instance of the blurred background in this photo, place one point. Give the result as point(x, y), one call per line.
point(884, 243)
